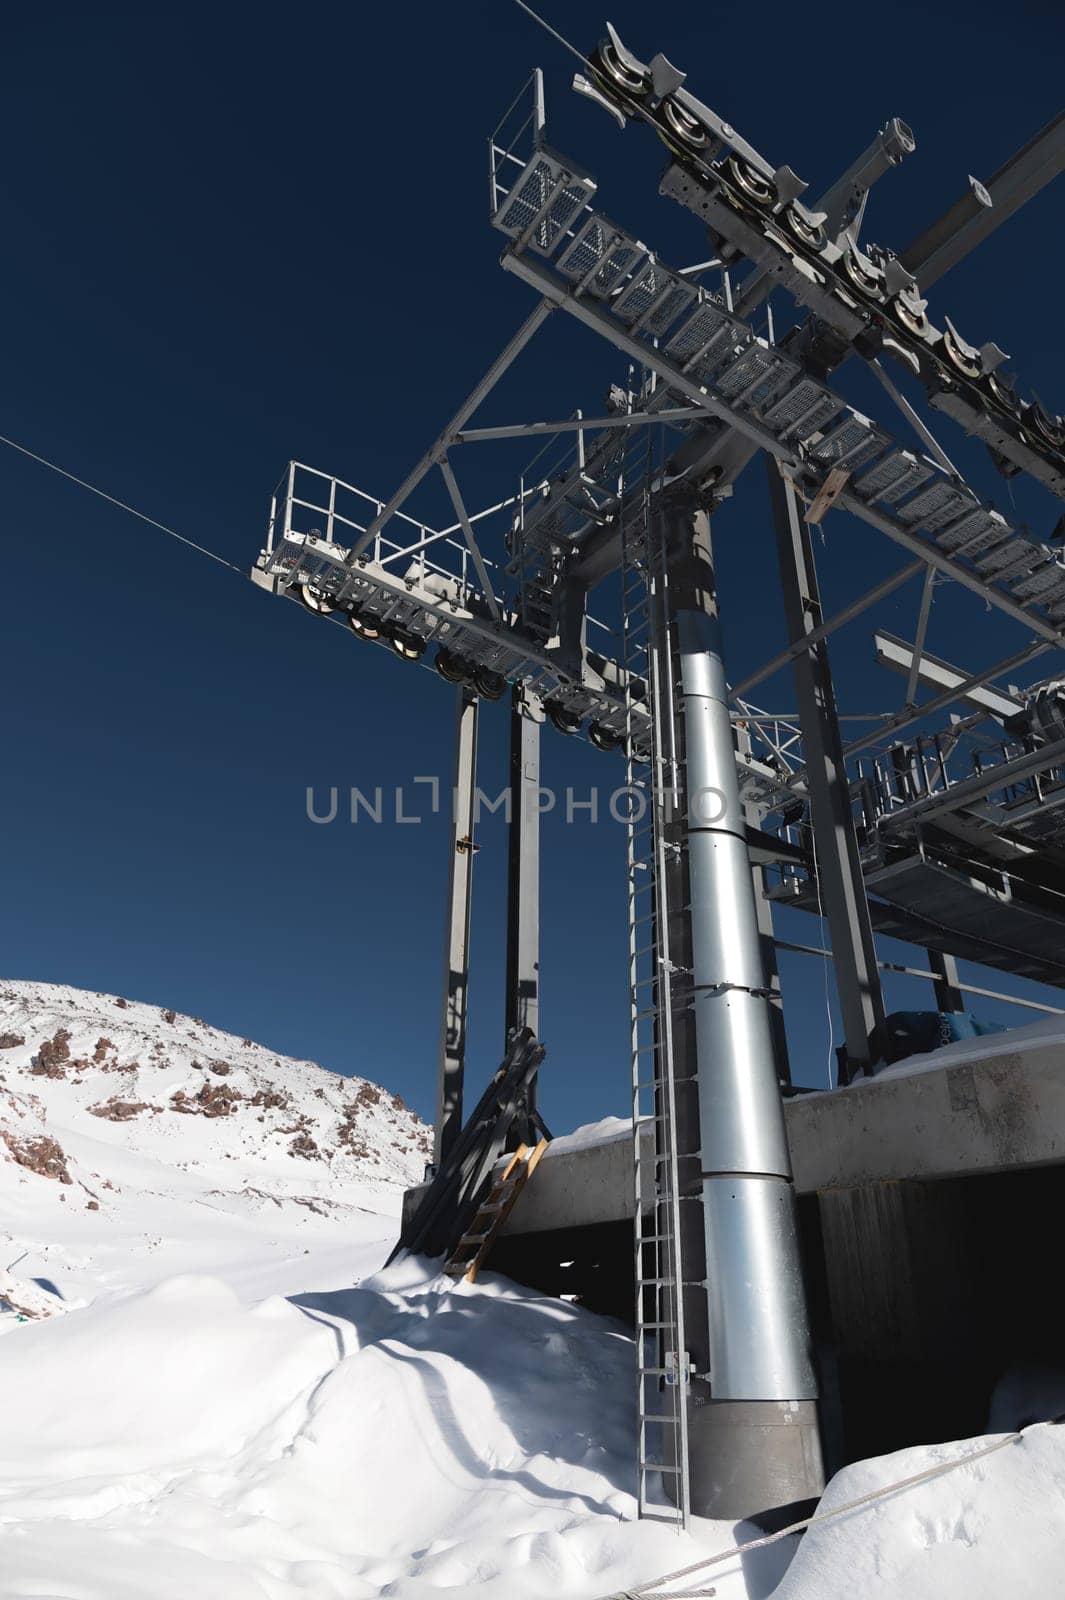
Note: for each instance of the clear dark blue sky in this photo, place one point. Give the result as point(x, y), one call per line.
point(237, 234)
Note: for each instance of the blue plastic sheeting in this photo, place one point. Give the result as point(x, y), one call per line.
point(913, 1033)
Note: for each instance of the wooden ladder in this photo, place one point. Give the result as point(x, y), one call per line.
point(469, 1254)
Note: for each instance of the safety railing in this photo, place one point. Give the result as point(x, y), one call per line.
point(519, 131)
point(309, 502)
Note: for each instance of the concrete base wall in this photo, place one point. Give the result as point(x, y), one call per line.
point(1003, 1114)
point(925, 1201)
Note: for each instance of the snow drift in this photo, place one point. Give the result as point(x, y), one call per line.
point(209, 1388)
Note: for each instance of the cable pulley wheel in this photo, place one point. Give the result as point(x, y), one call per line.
point(560, 717)
point(451, 668)
point(623, 76)
point(408, 646)
point(810, 234)
point(314, 601)
point(754, 186)
point(363, 627)
point(969, 366)
point(603, 738)
point(688, 129)
point(1052, 429)
point(913, 320)
point(489, 685)
point(1004, 395)
point(866, 283)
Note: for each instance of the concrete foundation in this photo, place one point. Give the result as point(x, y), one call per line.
point(923, 1200)
point(1002, 1113)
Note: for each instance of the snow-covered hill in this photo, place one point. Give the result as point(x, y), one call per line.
point(208, 1388)
point(136, 1142)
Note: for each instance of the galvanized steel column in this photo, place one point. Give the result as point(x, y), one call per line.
point(457, 945)
point(755, 1444)
point(839, 864)
point(522, 1006)
point(759, 1343)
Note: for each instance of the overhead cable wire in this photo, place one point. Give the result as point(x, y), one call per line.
point(564, 42)
point(649, 1590)
point(121, 504)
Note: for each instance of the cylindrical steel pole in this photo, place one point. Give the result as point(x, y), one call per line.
point(758, 1336)
point(754, 1444)
point(522, 1000)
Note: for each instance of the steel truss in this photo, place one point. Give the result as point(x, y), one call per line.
point(953, 839)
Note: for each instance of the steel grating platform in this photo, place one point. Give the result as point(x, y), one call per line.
point(993, 919)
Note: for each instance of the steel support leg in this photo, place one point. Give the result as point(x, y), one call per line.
point(753, 1441)
point(945, 981)
point(522, 1009)
point(838, 863)
point(457, 944)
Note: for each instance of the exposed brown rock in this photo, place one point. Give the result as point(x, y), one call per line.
point(52, 1057)
point(10, 1041)
point(348, 1136)
point(213, 1100)
point(270, 1099)
point(117, 1110)
point(304, 1145)
point(43, 1155)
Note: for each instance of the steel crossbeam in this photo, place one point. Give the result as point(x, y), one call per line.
point(873, 298)
point(810, 429)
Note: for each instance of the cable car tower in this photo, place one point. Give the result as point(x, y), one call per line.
point(950, 837)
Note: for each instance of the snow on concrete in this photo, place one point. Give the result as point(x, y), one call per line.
point(607, 1131)
point(210, 1387)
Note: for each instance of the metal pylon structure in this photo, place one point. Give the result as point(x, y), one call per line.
point(591, 593)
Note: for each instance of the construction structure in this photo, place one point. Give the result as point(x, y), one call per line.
point(940, 824)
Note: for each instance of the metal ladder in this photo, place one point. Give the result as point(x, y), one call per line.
point(469, 1255)
point(652, 771)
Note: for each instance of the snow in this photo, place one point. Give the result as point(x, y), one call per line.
point(607, 1131)
point(179, 1191)
point(210, 1386)
point(990, 1529)
point(216, 1390)
point(404, 1436)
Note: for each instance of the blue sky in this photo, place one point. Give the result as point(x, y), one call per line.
point(240, 234)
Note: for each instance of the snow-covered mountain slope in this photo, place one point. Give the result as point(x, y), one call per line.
point(135, 1143)
point(204, 1391)
point(208, 1388)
